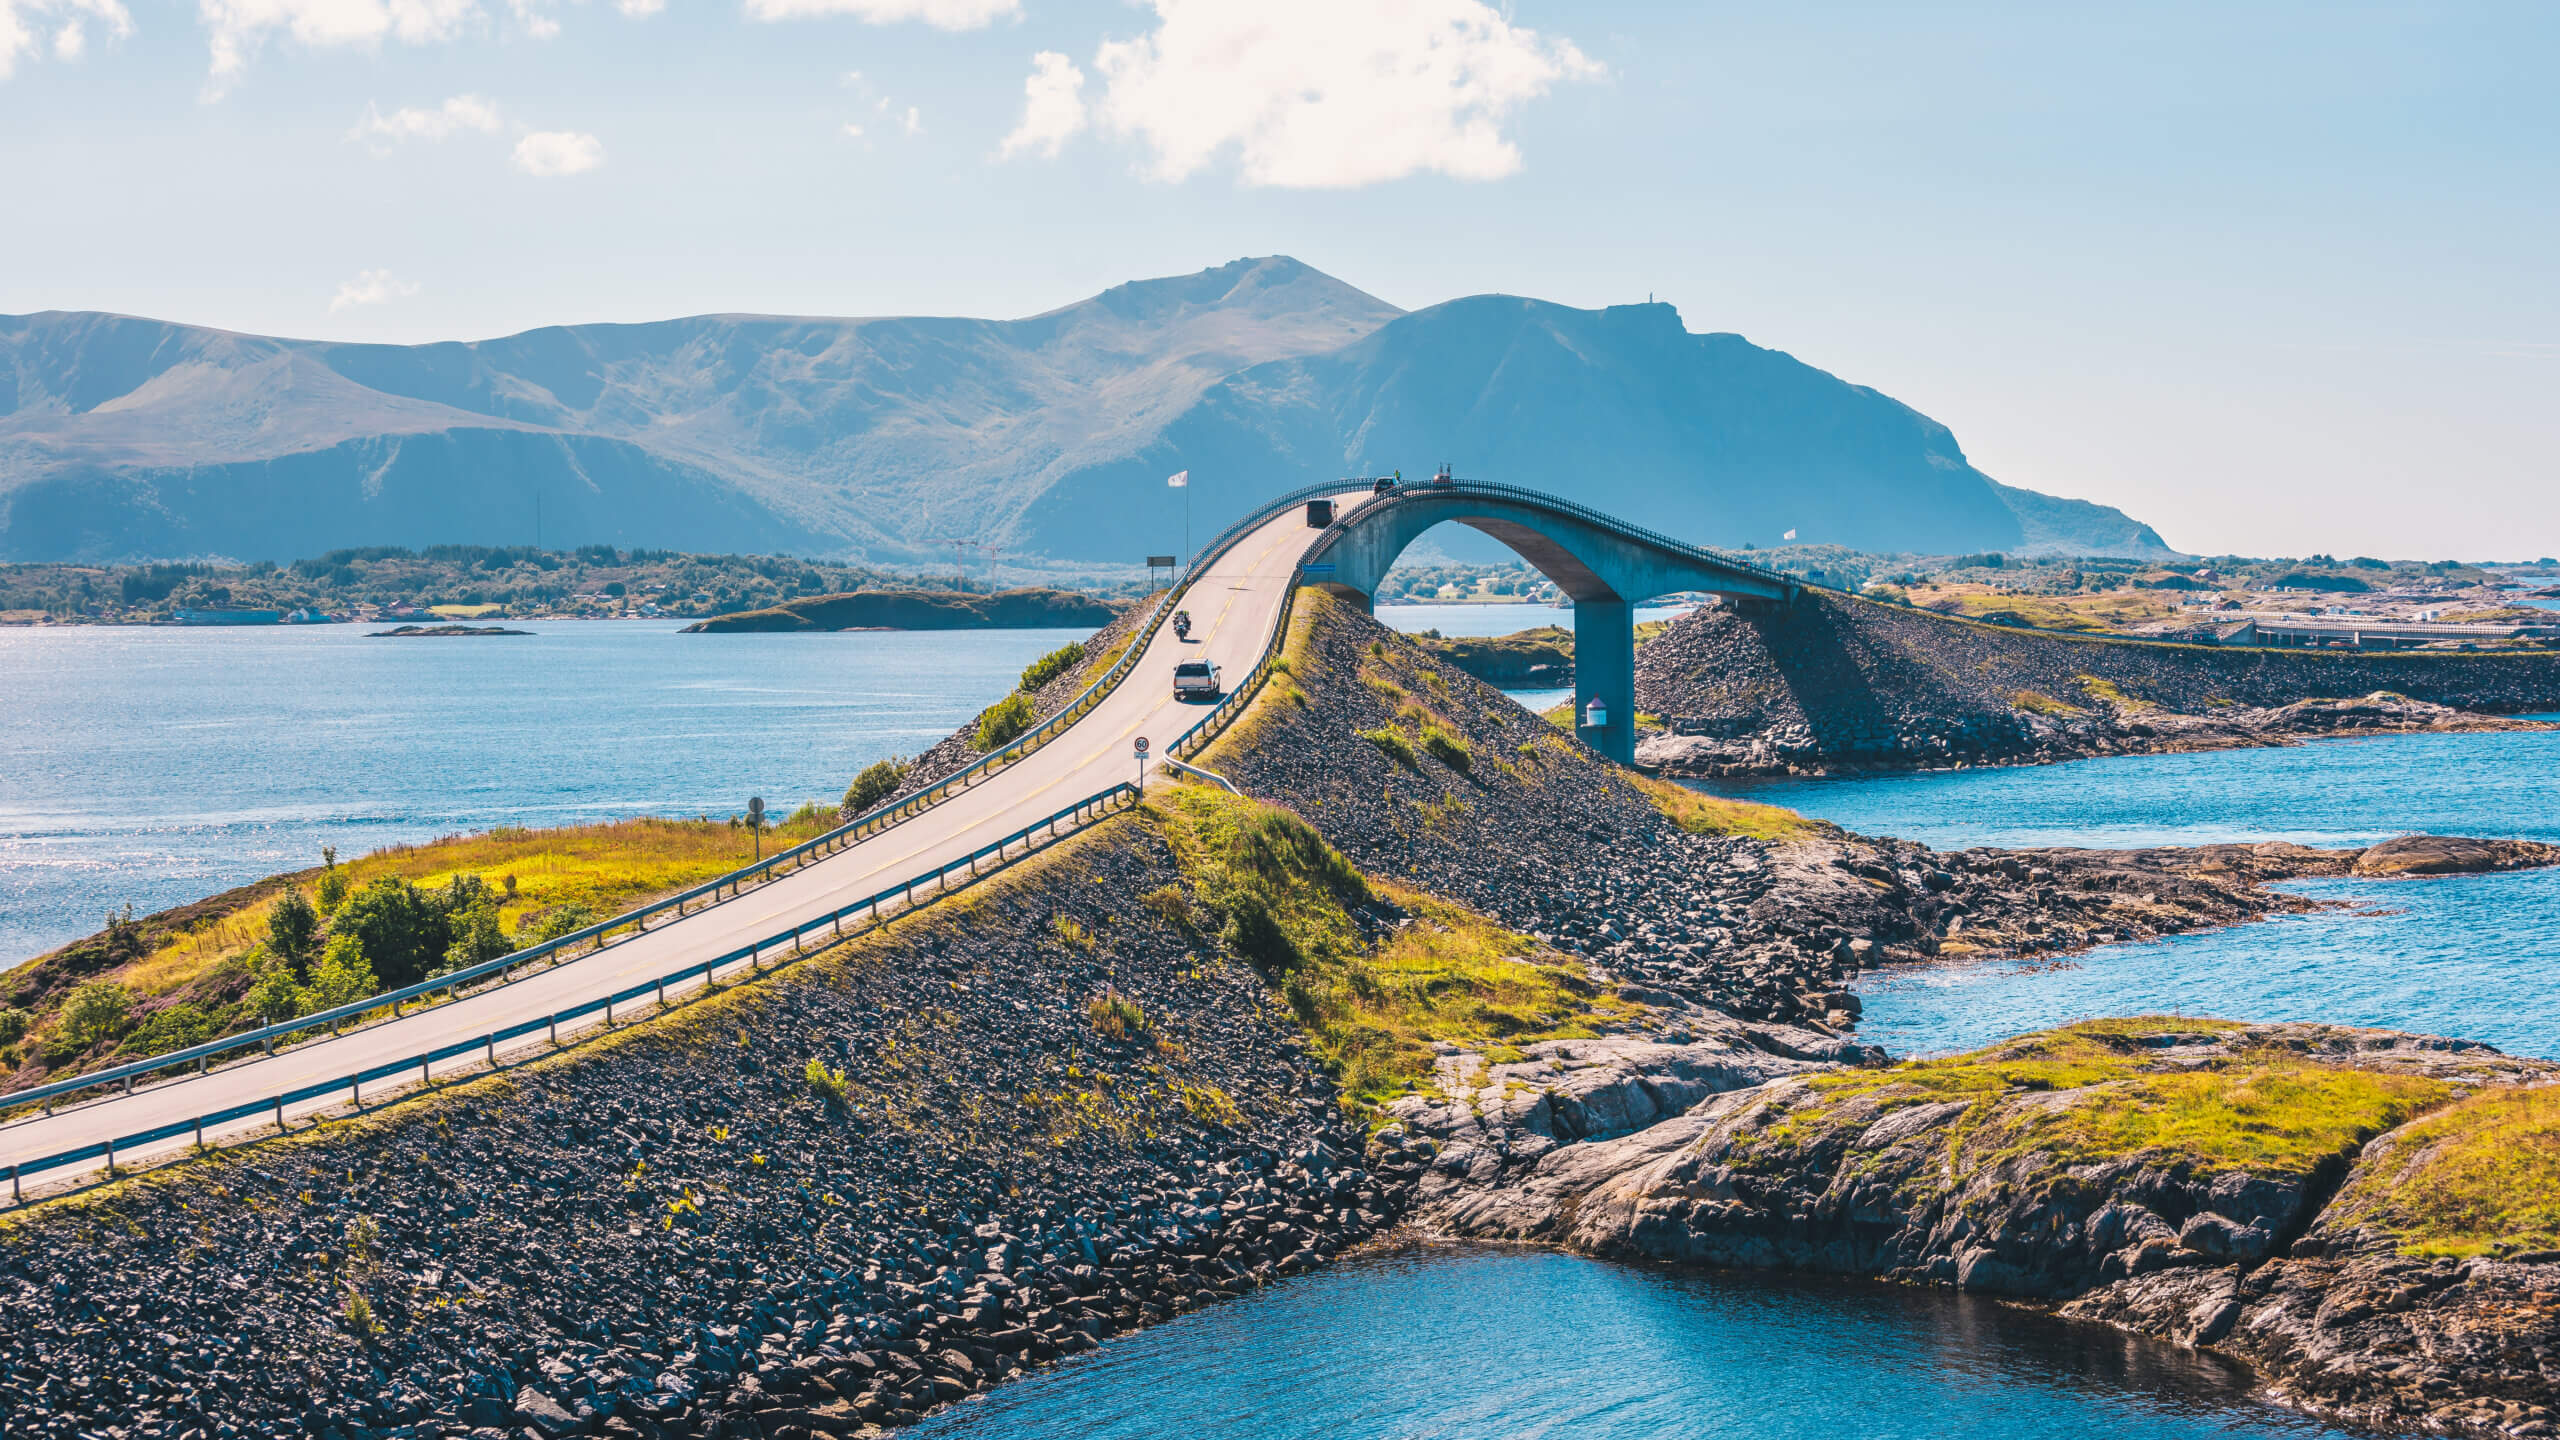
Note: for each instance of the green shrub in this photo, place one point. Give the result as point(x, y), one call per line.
point(1391, 741)
point(1052, 665)
point(1004, 720)
point(403, 931)
point(878, 781)
point(555, 924)
point(333, 881)
point(99, 1010)
point(172, 1027)
point(275, 992)
point(14, 1024)
point(478, 934)
point(342, 977)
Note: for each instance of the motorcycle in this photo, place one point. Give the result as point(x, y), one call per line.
point(1182, 625)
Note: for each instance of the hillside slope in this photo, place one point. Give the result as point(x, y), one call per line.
point(1707, 437)
point(889, 438)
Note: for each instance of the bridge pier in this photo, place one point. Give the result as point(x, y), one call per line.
point(1604, 669)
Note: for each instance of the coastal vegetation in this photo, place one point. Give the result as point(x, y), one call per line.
point(1380, 975)
point(2268, 1111)
point(458, 580)
point(2479, 1177)
point(316, 939)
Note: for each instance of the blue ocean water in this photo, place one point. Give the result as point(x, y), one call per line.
point(151, 766)
point(2330, 793)
point(2470, 956)
point(1464, 1343)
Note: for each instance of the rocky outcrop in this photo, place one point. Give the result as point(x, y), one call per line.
point(1836, 684)
point(2165, 1175)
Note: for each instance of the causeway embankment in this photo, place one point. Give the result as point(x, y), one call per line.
point(1437, 965)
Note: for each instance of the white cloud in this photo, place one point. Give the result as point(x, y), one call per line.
point(371, 287)
point(462, 112)
point(639, 9)
point(852, 131)
point(940, 14)
point(558, 152)
point(1052, 106)
point(239, 27)
point(22, 23)
point(912, 122)
point(1330, 93)
point(535, 23)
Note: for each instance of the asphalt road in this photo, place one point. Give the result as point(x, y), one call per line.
point(1233, 607)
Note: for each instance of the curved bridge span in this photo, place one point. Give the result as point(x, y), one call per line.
point(1606, 564)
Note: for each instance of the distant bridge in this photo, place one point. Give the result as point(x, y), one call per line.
point(1606, 564)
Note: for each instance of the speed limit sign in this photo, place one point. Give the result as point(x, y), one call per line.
point(1142, 747)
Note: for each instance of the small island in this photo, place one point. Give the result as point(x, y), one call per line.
point(411, 632)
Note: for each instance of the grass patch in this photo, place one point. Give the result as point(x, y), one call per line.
point(1391, 742)
point(2036, 702)
point(2480, 1176)
point(1448, 748)
point(2107, 693)
point(1284, 900)
point(1702, 814)
point(2267, 1111)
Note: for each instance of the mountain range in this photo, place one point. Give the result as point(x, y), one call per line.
point(889, 439)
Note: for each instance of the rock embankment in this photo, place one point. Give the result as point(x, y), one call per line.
point(1838, 684)
point(2170, 1176)
point(1028, 609)
point(845, 1194)
point(959, 750)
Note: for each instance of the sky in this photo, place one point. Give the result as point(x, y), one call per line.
point(2275, 278)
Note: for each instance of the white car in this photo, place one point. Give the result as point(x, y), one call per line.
point(1196, 680)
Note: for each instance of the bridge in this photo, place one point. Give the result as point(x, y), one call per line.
point(1607, 565)
point(1072, 770)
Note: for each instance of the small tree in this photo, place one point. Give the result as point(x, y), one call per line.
point(275, 992)
point(333, 881)
point(342, 977)
point(479, 933)
point(293, 931)
point(1004, 720)
point(14, 1024)
point(96, 1011)
point(402, 930)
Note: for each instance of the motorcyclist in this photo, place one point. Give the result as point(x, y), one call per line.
point(1181, 624)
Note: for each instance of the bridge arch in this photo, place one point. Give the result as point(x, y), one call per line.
point(1607, 565)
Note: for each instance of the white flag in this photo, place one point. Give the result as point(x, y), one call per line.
point(1178, 479)
point(1790, 535)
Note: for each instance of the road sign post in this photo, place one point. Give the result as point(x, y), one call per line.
point(1141, 749)
point(755, 822)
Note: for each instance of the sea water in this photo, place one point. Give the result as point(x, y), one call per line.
point(149, 766)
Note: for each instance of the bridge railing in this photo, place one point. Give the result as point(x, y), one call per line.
point(895, 900)
point(1426, 490)
point(503, 969)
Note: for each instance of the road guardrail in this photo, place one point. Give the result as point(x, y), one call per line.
point(1059, 825)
